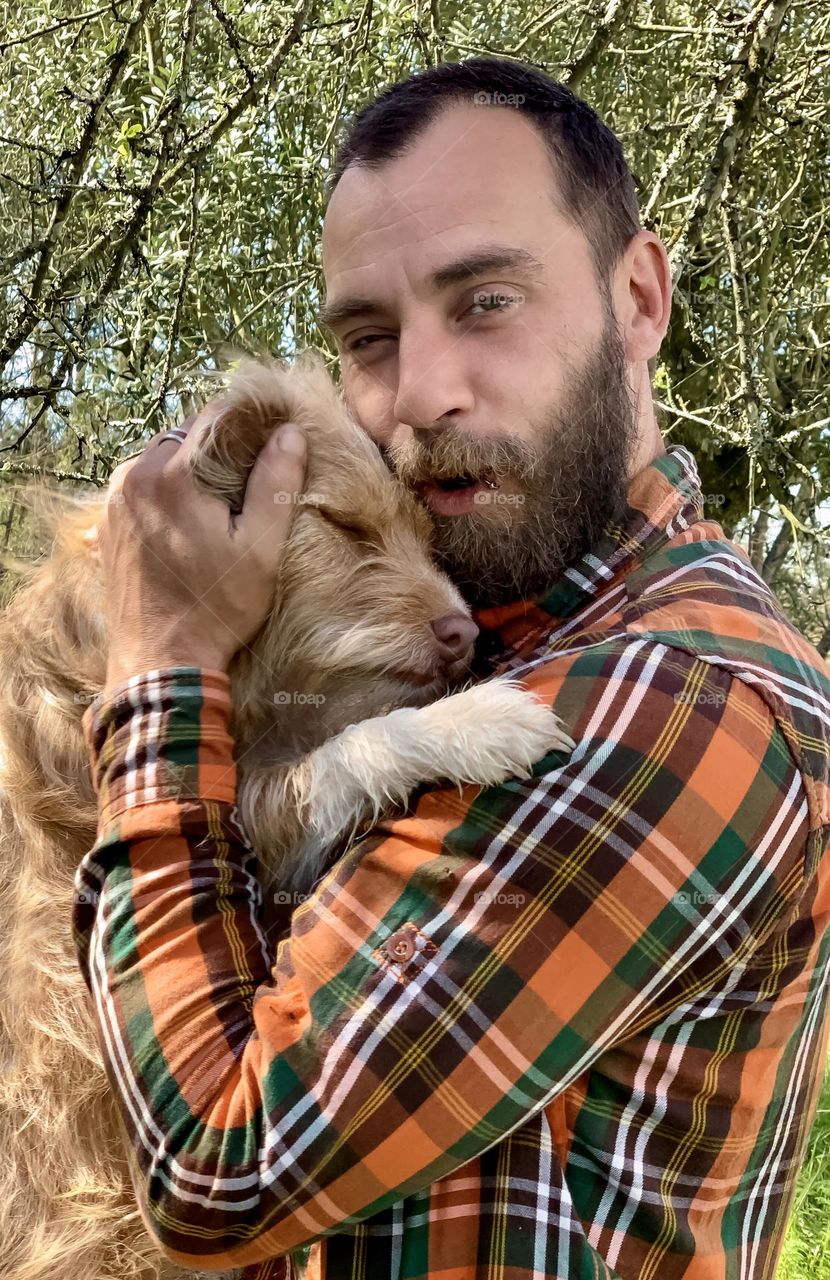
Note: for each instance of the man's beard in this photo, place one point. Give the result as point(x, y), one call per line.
point(570, 486)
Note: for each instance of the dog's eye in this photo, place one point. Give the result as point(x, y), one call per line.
point(347, 524)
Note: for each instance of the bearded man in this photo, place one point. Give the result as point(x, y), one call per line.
point(596, 1046)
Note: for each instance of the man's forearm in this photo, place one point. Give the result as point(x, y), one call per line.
point(228, 1073)
point(272, 1106)
point(168, 886)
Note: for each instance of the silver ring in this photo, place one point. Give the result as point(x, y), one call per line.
point(173, 434)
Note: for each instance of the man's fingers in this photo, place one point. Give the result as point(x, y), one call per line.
point(276, 480)
point(147, 453)
point(196, 425)
point(175, 444)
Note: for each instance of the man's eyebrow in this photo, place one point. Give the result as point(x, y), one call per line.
point(480, 261)
point(476, 263)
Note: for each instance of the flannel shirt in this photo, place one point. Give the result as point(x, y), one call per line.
point(571, 1026)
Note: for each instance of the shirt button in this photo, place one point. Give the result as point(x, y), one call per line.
point(400, 947)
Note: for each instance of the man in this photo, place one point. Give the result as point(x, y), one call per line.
point(569, 1027)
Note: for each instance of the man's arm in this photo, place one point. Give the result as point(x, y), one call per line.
point(450, 975)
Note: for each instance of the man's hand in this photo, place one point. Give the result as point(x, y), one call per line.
point(187, 583)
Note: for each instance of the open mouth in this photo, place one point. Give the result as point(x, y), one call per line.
point(454, 495)
point(462, 481)
point(448, 484)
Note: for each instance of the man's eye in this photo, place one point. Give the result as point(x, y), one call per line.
point(369, 338)
point(487, 300)
point(495, 301)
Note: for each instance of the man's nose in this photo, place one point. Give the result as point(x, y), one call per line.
point(433, 388)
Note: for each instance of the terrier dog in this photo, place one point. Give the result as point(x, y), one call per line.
point(352, 694)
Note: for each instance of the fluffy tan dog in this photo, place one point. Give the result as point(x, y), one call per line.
point(341, 706)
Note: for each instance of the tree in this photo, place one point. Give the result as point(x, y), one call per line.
point(161, 190)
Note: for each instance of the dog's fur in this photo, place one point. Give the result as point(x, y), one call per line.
point(339, 709)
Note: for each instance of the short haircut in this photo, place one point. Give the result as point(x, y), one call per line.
point(593, 185)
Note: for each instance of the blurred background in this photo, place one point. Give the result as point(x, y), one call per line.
point(161, 194)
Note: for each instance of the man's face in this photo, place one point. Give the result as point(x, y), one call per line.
point(478, 350)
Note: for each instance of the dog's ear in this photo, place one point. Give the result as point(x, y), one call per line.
point(251, 407)
point(262, 395)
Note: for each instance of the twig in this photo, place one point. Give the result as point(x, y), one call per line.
point(172, 337)
point(205, 138)
point(56, 26)
point(26, 319)
point(615, 14)
point(762, 32)
point(34, 469)
point(233, 39)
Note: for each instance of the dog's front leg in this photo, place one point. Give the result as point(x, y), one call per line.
point(298, 814)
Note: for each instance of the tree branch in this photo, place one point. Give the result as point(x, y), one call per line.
point(27, 319)
point(615, 14)
point(56, 26)
point(762, 32)
point(34, 469)
point(161, 180)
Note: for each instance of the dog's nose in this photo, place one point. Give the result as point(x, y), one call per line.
point(455, 633)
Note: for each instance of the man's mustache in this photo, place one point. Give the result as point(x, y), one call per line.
point(455, 453)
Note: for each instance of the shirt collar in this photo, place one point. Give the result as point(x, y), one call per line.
point(662, 499)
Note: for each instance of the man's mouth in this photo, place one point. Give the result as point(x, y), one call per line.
point(448, 483)
point(456, 494)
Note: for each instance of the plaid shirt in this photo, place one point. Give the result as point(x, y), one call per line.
point(567, 1027)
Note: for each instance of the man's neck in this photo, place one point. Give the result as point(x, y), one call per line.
point(649, 438)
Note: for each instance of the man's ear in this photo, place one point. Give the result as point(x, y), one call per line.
point(642, 297)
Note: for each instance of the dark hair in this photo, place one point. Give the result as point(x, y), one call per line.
point(597, 189)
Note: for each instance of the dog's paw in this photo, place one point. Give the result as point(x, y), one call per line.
point(497, 730)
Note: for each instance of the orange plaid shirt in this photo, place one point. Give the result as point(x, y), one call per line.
point(571, 1026)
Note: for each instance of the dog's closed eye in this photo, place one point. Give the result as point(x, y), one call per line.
point(346, 523)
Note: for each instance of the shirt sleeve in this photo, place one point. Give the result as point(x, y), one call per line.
point(453, 972)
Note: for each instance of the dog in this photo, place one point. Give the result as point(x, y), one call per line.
point(355, 691)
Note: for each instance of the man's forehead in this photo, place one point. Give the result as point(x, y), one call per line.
point(484, 167)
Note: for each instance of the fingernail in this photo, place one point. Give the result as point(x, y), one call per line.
point(291, 439)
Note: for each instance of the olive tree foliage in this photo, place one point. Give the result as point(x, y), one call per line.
point(161, 198)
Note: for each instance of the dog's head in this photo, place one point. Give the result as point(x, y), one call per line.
point(359, 600)
point(360, 611)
